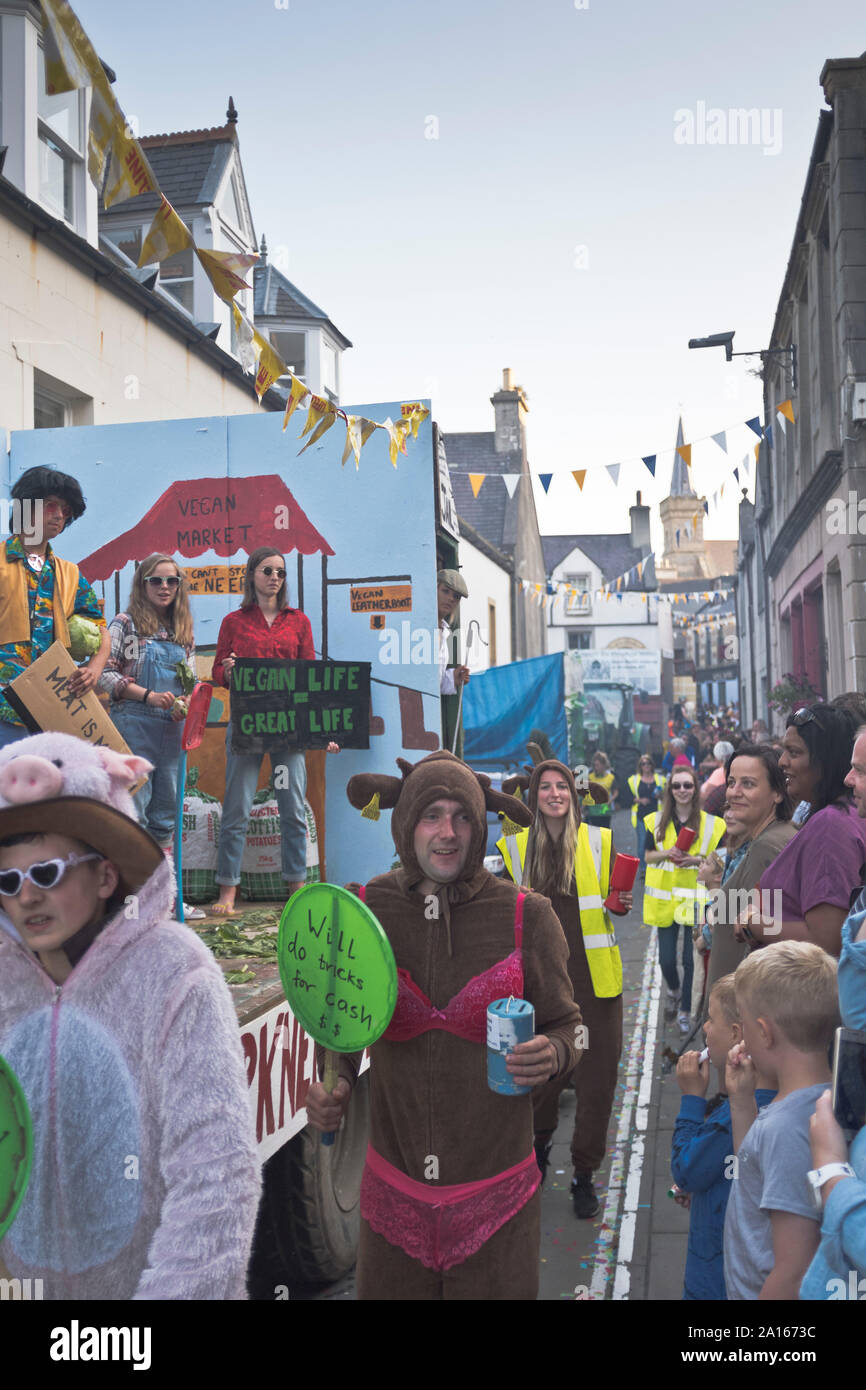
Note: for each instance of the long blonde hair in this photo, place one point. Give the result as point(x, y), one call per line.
point(549, 862)
point(145, 619)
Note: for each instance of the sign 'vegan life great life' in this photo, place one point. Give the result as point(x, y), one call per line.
point(299, 704)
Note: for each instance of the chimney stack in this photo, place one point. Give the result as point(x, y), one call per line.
point(509, 412)
point(639, 517)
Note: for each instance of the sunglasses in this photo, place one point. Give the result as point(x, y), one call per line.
point(269, 570)
point(682, 786)
point(44, 875)
point(156, 581)
point(802, 716)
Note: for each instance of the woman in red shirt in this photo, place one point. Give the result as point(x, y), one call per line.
point(263, 626)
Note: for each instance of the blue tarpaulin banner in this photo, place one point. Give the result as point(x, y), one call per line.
point(502, 706)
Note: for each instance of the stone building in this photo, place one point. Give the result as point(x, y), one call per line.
point(802, 559)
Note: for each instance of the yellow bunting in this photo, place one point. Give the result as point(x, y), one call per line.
point(397, 432)
point(640, 569)
point(787, 409)
point(167, 235)
point(722, 489)
point(225, 270)
point(475, 481)
point(69, 55)
point(757, 452)
point(324, 424)
point(579, 474)
point(353, 440)
point(416, 414)
point(695, 520)
point(371, 810)
point(367, 428)
point(271, 365)
point(129, 173)
point(318, 407)
point(685, 453)
point(297, 393)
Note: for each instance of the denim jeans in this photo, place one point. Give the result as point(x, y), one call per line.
point(11, 733)
point(242, 775)
point(668, 961)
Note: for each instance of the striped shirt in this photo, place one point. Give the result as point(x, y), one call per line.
point(124, 666)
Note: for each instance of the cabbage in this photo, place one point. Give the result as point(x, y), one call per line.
point(85, 638)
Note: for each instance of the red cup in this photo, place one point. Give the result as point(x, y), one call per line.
point(622, 878)
point(685, 839)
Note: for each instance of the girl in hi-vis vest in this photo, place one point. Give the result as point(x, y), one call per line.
point(671, 889)
point(570, 863)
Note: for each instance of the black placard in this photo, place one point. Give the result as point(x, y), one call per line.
point(299, 704)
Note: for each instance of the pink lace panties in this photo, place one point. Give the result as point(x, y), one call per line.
point(442, 1226)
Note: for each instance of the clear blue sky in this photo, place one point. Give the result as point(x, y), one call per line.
point(445, 260)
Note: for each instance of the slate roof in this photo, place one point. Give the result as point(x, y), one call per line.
point(189, 167)
point(493, 514)
point(614, 555)
point(274, 296)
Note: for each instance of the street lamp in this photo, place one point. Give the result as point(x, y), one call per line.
point(726, 340)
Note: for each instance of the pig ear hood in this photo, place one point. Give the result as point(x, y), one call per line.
point(439, 777)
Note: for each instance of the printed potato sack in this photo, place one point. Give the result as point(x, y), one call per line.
point(261, 875)
point(200, 836)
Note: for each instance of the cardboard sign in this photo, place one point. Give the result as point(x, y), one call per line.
point(384, 598)
point(215, 579)
point(41, 697)
point(300, 704)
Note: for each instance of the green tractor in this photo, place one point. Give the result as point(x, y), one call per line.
point(601, 719)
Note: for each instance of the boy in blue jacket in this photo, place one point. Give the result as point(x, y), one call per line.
point(702, 1153)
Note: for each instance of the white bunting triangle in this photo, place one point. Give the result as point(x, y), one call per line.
point(613, 470)
point(721, 440)
point(511, 480)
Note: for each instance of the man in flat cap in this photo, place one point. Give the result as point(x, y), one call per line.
point(451, 588)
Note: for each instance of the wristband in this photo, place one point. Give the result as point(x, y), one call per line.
point(146, 693)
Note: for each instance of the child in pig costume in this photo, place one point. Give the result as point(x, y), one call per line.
point(120, 1027)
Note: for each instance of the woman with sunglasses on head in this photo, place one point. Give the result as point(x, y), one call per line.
point(671, 887)
point(816, 874)
point(148, 642)
point(647, 788)
point(263, 626)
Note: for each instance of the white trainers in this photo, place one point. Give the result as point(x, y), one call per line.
point(191, 914)
point(672, 1002)
point(684, 1023)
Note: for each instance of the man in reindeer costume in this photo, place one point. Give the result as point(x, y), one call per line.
point(449, 1202)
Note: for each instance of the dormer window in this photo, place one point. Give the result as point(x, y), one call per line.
point(292, 348)
point(176, 277)
point(61, 147)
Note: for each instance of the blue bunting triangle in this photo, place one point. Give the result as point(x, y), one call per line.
point(755, 425)
point(650, 462)
point(544, 479)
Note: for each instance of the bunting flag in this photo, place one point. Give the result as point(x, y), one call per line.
point(640, 569)
point(721, 440)
point(578, 474)
point(787, 409)
point(327, 420)
point(757, 454)
point(678, 537)
point(613, 470)
point(685, 453)
point(167, 235)
point(782, 426)
point(353, 440)
point(737, 474)
point(650, 462)
point(225, 270)
point(475, 481)
point(706, 506)
point(722, 490)
point(755, 424)
point(271, 366)
point(544, 479)
point(745, 465)
point(297, 390)
point(695, 521)
point(510, 480)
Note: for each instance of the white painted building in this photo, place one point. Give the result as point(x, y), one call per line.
point(486, 615)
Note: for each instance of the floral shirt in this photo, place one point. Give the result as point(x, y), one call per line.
point(15, 657)
point(123, 667)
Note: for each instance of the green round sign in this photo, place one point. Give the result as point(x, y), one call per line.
point(16, 1146)
point(337, 967)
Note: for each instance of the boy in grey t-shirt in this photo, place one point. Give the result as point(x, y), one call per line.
point(788, 1004)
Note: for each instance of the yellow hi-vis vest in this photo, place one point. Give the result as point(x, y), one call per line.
point(633, 781)
point(592, 879)
point(670, 894)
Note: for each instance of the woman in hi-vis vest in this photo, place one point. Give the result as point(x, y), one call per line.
point(671, 889)
point(570, 862)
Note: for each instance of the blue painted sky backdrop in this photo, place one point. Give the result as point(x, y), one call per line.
point(447, 259)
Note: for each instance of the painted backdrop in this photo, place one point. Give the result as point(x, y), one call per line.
point(360, 549)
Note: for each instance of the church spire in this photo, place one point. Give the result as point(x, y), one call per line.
point(681, 483)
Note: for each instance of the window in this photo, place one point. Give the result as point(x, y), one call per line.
point(176, 277)
point(292, 348)
point(60, 147)
point(579, 640)
point(579, 602)
point(55, 404)
point(128, 240)
point(49, 411)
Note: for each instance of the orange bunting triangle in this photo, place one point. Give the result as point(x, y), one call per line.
point(579, 474)
point(475, 481)
point(685, 453)
point(787, 409)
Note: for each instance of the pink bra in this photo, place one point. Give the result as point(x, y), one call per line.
point(466, 1014)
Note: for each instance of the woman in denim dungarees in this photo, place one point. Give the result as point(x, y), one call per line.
point(147, 642)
